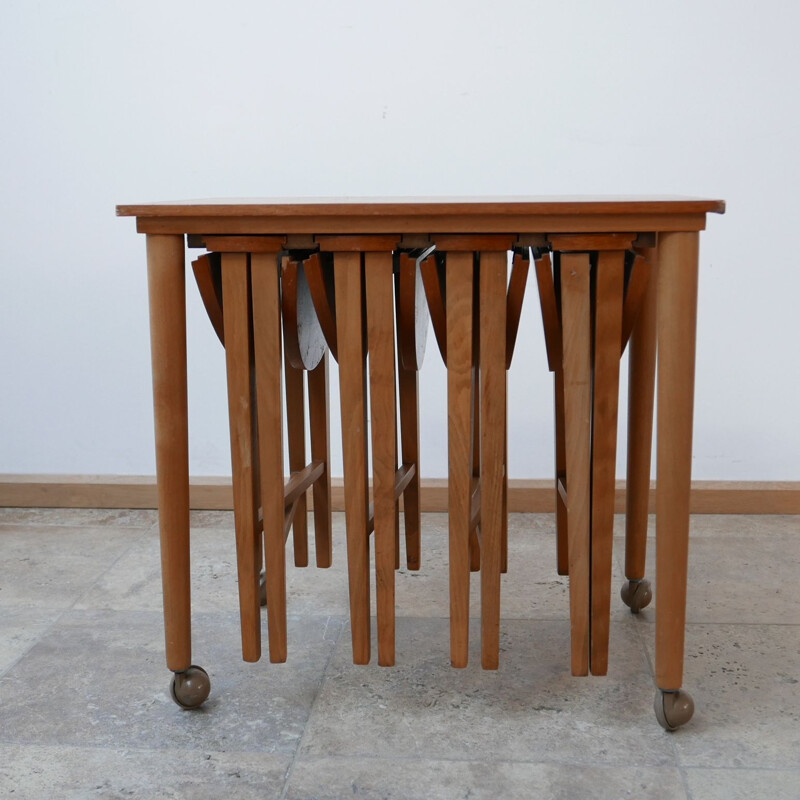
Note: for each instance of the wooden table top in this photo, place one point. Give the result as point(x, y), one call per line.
point(512, 214)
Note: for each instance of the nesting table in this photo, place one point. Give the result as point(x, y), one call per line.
point(610, 270)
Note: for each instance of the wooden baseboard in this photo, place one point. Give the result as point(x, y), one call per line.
point(125, 491)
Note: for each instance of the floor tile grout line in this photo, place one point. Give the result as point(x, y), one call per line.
point(317, 693)
point(64, 611)
point(511, 761)
point(406, 759)
point(125, 551)
point(13, 665)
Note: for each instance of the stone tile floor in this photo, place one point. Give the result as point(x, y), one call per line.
point(85, 710)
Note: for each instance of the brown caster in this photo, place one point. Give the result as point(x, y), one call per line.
point(190, 688)
point(673, 709)
point(636, 594)
point(262, 588)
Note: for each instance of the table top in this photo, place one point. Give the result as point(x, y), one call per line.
point(510, 214)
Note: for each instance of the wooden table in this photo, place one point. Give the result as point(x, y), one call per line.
point(583, 233)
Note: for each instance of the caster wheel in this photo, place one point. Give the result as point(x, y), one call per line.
point(673, 709)
point(262, 588)
point(636, 594)
point(190, 689)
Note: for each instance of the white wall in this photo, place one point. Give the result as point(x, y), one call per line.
point(108, 102)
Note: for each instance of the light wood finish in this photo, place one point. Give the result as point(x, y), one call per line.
point(548, 278)
point(319, 424)
point(459, 316)
point(677, 321)
point(609, 286)
point(352, 380)
point(560, 448)
point(432, 273)
point(591, 242)
point(403, 223)
point(461, 227)
point(408, 396)
point(356, 244)
point(300, 482)
point(635, 292)
point(268, 360)
point(516, 294)
point(493, 343)
point(167, 289)
point(303, 338)
point(460, 243)
point(239, 244)
point(379, 280)
point(238, 361)
point(528, 215)
point(577, 367)
point(208, 284)
point(412, 321)
point(320, 284)
point(294, 388)
point(641, 394)
point(426, 207)
point(524, 495)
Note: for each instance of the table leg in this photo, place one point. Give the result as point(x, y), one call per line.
point(166, 276)
point(459, 300)
point(296, 433)
point(609, 286)
point(408, 394)
point(167, 288)
point(562, 543)
point(677, 319)
point(238, 360)
point(577, 368)
point(268, 358)
point(319, 418)
point(636, 591)
point(492, 451)
point(352, 380)
point(379, 281)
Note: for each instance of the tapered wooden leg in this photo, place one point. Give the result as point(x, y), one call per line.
point(167, 289)
point(562, 547)
point(677, 320)
point(459, 275)
point(319, 418)
point(504, 516)
point(493, 427)
point(409, 437)
point(379, 281)
point(296, 434)
point(641, 396)
point(238, 360)
point(576, 327)
point(609, 288)
point(475, 449)
point(268, 358)
point(352, 380)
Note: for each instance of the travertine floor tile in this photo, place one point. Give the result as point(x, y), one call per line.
point(734, 579)
point(399, 779)
point(530, 709)
point(745, 682)
point(99, 679)
point(31, 772)
point(746, 525)
point(79, 517)
point(52, 566)
point(743, 784)
point(133, 583)
point(85, 709)
point(20, 628)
